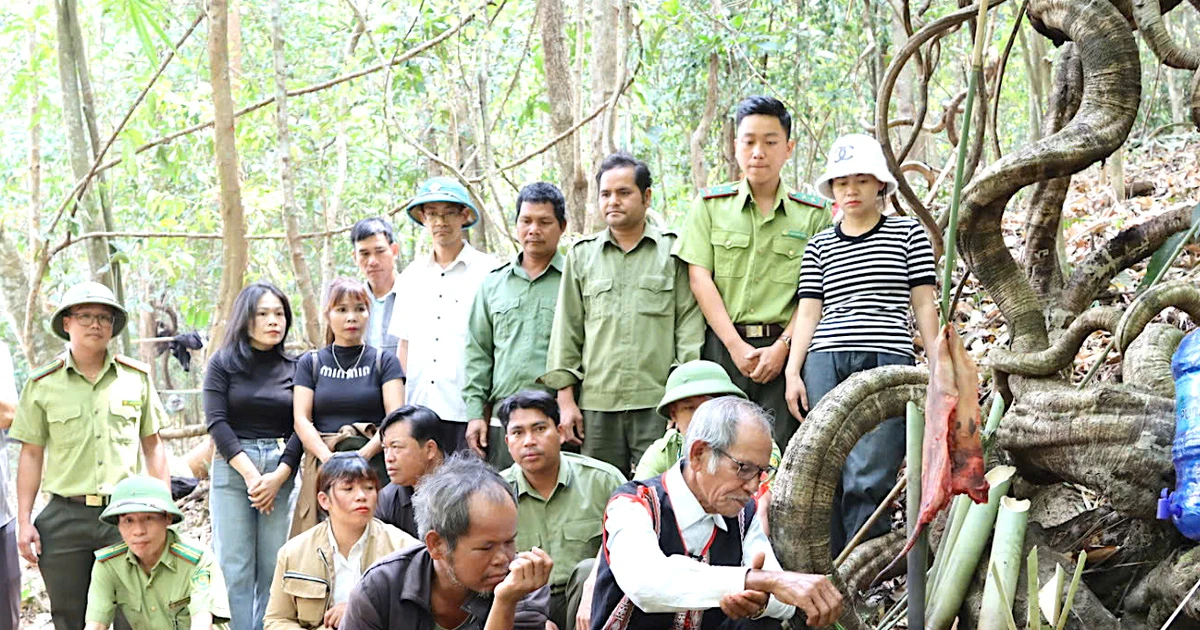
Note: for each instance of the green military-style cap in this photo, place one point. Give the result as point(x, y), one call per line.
point(138, 494)
point(445, 189)
point(697, 378)
point(88, 293)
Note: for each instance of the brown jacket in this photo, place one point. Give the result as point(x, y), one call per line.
point(302, 589)
point(305, 515)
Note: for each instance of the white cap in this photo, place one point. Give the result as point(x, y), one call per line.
point(855, 154)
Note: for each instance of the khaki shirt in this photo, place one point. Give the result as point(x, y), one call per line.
point(91, 431)
point(185, 582)
point(755, 260)
point(622, 321)
point(509, 332)
point(569, 523)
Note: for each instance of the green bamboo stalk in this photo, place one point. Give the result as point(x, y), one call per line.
point(1066, 609)
point(918, 556)
point(1033, 613)
point(952, 228)
point(995, 414)
point(968, 548)
point(1009, 538)
point(958, 513)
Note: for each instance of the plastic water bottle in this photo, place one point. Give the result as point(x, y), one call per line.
point(1185, 501)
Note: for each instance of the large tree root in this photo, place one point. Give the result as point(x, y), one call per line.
point(1112, 440)
point(868, 559)
point(1060, 355)
point(1148, 15)
point(1184, 296)
point(1164, 587)
point(812, 464)
point(1146, 365)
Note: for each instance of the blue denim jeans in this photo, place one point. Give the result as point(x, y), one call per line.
point(245, 540)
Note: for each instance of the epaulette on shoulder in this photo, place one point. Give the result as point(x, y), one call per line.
point(809, 200)
point(187, 552)
point(587, 238)
point(132, 363)
point(112, 551)
point(724, 190)
point(503, 267)
point(47, 370)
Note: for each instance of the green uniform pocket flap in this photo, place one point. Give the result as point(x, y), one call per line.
point(581, 531)
point(596, 286)
point(729, 238)
point(657, 283)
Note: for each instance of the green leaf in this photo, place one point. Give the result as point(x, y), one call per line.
point(1162, 255)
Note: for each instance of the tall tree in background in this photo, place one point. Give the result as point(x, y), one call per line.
point(560, 92)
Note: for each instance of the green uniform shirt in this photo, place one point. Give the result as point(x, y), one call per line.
point(755, 260)
point(91, 431)
point(667, 450)
point(185, 582)
point(569, 524)
point(622, 320)
point(508, 333)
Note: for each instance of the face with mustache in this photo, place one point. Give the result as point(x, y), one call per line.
point(533, 441)
point(717, 485)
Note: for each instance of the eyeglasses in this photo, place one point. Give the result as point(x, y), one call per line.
point(87, 319)
point(746, 471)
point(443, 217)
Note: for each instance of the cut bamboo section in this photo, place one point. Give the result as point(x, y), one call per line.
point(1007, 543)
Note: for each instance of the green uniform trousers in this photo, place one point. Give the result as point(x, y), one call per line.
point(70, 533)
point(564, 598)
point(620, 437)
point(770, 395)
point(497, 449)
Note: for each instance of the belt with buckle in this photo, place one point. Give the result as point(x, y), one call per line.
point(90, 500)
point(758, 331)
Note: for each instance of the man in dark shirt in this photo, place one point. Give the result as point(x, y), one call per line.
point(467, 575)
point(414, 445)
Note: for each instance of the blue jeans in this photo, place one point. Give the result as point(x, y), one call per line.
point(245, 540)
point(872, 465)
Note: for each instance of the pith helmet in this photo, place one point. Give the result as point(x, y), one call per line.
point(139, 494)
point(88, 293)
point(697, 378)
point(856, 154)
point(445, 189)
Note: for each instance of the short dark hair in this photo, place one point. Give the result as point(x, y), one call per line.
point(442, 501)
point(236, 345)
point(345, 466)
point(370, 226)
point(527, 399)
point(423, 423)
point(764, 106)
point(543, 192)
point(621, 159)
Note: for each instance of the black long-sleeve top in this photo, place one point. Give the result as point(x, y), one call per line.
point(251, 404)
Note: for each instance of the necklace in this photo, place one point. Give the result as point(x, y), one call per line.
point(333, 351)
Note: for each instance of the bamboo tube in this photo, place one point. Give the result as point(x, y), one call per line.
point(964, 556)
point(958, 512)
point(1007, 542)
point(918, 556)
point(1033, 612)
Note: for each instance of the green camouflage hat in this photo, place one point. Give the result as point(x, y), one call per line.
point(445, 189)
point(138, 494)
point(88, 293)
point(697, 378)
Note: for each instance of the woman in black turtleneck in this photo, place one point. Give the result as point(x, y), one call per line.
point(248, 405)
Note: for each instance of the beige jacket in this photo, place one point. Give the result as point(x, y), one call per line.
point(302, 589)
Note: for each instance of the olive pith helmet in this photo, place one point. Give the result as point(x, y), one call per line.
point(139, 494)
point(697, 378)
point(88, 293)
point(445, 189)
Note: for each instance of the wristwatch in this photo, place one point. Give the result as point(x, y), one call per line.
point(787, 341)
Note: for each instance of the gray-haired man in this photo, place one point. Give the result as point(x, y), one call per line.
point(467, 575)
point(685, 549)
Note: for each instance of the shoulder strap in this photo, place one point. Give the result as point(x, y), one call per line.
point(316, 359)
point(378, 362)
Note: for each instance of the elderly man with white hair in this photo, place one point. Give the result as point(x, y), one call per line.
point(685, 549)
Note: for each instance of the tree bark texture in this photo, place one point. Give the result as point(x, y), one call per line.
point(37, 346)
point(34, 220)
point(699, 139)
point(606, 20)
point(308, 291)
point(235, 254)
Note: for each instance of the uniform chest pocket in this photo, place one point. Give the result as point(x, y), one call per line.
point(731, 254)
point(598, 296)
point(66, 424)
point(506, 319)
point(581, 539)
point(309, 593)
point(787, 254)
point(655, 295)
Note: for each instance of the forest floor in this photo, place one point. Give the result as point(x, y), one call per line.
point(1168, 165)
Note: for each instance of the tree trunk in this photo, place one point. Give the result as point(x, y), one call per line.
point(733, 172)
point(234, 256)
point(308, 293)
point(699, 137)
point(35, 147)
point(606, 20)
point(235, 43)
point(1035, 87)
point(80, 154)
point(37, 346)
point(560, 92)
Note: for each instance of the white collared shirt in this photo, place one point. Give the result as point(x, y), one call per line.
point(347, 570)
point(376, 327)
point(658, 583)
point(431, 312)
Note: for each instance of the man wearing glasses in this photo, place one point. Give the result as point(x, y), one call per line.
point(685, 549)
point(434, 297)
point(90, 417)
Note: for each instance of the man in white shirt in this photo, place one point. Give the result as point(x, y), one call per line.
point(685, 549)
point(375, 253)
point(431, 320)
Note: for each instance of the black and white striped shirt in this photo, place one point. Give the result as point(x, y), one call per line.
point(865, 285)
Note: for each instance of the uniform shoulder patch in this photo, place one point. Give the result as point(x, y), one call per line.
point(809, 200)
point(132, 363)
point(47, 370)
point(112, 551)
point(187, 552)
point(724, 190)
point(588, 238)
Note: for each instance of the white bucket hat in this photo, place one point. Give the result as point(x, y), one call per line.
point(855, 154)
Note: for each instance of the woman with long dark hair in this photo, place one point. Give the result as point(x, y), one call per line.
point(248, 405)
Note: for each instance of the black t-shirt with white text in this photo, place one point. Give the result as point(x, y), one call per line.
point(347, 389)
